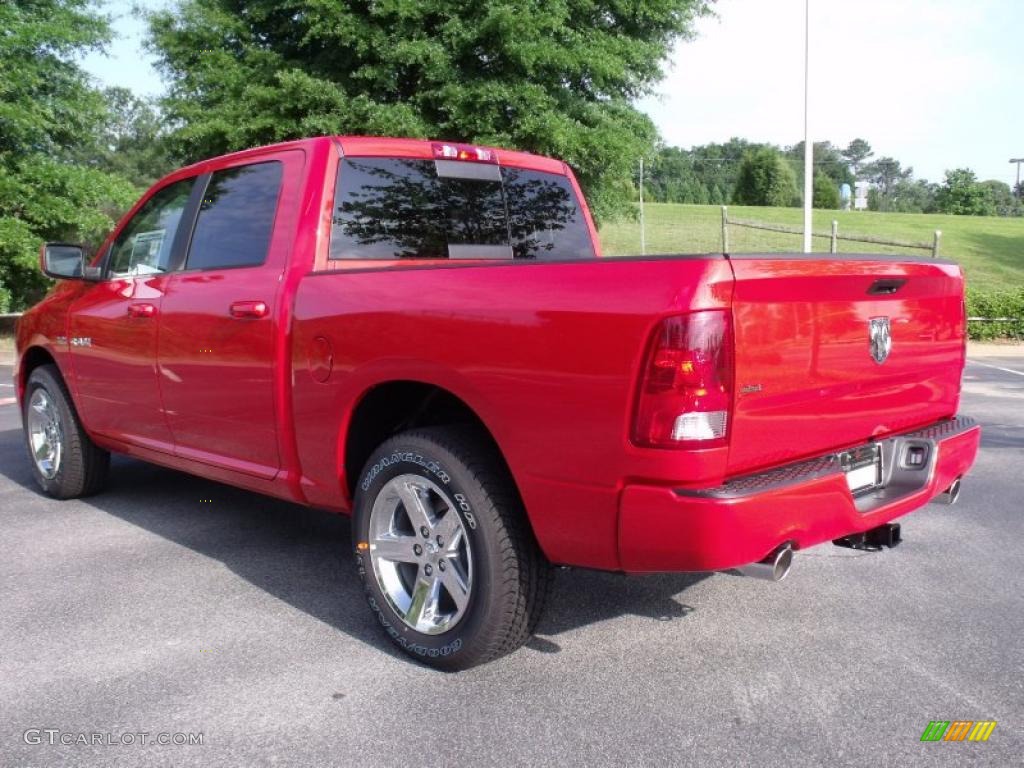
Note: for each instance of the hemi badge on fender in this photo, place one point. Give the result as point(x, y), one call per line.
point(750, 389)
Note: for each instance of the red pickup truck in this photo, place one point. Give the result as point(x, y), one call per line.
point(425, 336)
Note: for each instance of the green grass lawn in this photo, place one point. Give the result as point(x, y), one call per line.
point(991, 249)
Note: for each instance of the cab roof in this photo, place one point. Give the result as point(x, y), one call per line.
point(377, 146)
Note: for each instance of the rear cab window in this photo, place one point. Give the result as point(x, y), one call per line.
point(402, 208)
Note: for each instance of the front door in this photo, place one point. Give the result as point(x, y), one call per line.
point(113, 326)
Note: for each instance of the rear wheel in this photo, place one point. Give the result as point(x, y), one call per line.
point(65, 462)
point(447, 559)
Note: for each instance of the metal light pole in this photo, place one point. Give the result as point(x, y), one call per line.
point(1018, 161)
point(808, 146)
point(643, 231)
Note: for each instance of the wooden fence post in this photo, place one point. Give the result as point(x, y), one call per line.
point(834, 247)
point(725, 229)
point(935, 243)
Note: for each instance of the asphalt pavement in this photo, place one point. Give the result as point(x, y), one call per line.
point(174, 605)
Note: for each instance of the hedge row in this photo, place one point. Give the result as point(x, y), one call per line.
point(1005, 310)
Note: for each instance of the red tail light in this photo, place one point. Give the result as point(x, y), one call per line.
point(686, 386)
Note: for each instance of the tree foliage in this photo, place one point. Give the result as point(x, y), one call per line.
point(49, 115)
point(962, 194)
point(906, 196)
point(885, 172)
point(556, 78)
point(765, 178)
point(702, 175)
point(856, 154)
point(1002, 198)
point(827, 159)
point(826, 193)
point(132, 141)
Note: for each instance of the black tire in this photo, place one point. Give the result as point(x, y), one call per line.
point(510, 574)
point(83, 466)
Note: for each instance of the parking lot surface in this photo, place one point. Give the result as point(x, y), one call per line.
point(170, 604)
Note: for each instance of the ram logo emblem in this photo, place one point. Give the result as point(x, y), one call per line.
point(881, 339)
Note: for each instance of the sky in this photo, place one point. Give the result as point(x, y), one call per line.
point(934, 83)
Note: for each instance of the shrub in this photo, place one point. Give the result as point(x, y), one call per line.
point(1004, 310)
point(765, 178)
point(826, 193)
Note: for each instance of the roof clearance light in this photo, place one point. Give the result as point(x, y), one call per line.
point(464, 152)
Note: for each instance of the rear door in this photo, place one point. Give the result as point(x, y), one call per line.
point(832, 352)
point(219, 321)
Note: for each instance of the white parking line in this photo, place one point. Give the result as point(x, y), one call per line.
point(8, 400)
point(997, 367)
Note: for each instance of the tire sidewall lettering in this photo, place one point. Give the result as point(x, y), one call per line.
point(397, 457)
point(396, 634)
point(402, 635)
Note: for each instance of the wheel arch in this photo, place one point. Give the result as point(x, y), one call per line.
point(390, 407)
point(34, 357)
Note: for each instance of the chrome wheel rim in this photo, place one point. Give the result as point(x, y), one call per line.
point(45, 434)
point(420, 553)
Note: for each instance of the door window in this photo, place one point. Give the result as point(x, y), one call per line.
point(236, 217)
point(144, 246)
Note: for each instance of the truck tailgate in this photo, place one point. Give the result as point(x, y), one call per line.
point(806, 378)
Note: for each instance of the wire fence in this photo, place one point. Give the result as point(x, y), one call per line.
point(834, 237)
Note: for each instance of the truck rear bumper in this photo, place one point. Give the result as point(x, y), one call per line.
point(805, 503)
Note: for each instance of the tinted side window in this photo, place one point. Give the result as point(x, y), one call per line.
point(236, 217)
point(144, 245)
point(545, 220)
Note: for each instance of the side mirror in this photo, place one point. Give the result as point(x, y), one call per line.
point(63, 261)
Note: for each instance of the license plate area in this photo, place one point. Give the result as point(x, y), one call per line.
point(863, 468)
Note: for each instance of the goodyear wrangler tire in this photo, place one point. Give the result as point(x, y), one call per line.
point(447, 559)
point(65, 462)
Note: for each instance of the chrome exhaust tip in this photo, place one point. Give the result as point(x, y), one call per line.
point(772, 568)
point(951, 494)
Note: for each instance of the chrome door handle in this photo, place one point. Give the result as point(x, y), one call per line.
point(141, 310)
point(249, 309)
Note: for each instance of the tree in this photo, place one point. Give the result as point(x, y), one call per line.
point(765, 178)
point(826, 193)
point(49, 112)
point(554, 78)
point(962, 194)
point(857, 153)
point(132, 143)
point(671, 178)
point(912, 197)
point(827, 159)
point(1002, 198)
point(885, 172)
